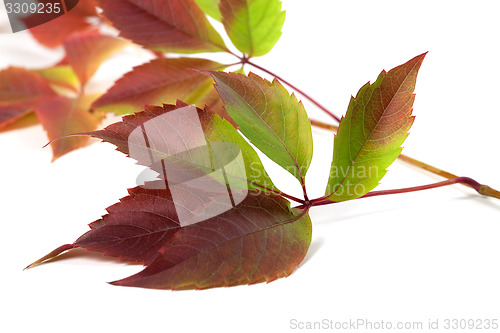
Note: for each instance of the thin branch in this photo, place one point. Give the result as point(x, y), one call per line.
point(480, 188)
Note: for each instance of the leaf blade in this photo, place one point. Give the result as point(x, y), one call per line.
point(166, 26)
point(162, 81)
point(254, 26)
point(370, 135)
point(274, 121)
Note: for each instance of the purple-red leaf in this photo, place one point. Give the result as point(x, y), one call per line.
point(162, 81)
point(164, 25)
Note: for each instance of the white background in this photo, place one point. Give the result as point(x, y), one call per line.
point(412, 257)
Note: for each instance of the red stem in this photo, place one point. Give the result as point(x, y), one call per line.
point(481, 189)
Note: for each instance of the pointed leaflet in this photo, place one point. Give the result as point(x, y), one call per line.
point(259, 240)
point(53, 33)
point(164, 25)
point(371, 133)
point(210, 7)
point(60, 76)
point(20, 91)
point(162, 81)
point(61, 116)
point(273, 120)
point(214, 129)
point(254, 26)
point(86, 51)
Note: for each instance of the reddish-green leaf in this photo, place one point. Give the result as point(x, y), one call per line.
point(61, 116)
point(371, 133)
point(164, 25)
point(60, 76)
point(212, 204)
point(274, 121)
point(20, 91)
point(162, 81)
point(214, 130)
point(254, 26)
point(86, 51)
point(259, 240)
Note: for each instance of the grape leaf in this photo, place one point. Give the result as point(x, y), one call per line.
point(53, 33)
point(164, 25)
point(86, 51)
point(20, 91)
point(254, 26)
point(371, 133)
point(162, 81)
point(274, 121)
point(210, 7)
point(61, 116)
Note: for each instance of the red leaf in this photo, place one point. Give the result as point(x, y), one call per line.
point(53, 33)
point(86, 51)
point(164, 25)
point(162, 81)
point(20, 91)
point(62, 116)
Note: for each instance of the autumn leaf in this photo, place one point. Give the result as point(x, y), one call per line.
point(214, 129)
point(53, 33)
point(60, 76)
point(21, 91)
point(162, 81)
point(164, 25)
point(61, 116)
point(371, 133)
point(210, 7)
point(198, 210)
point(254, 26)
point(86, 51)
point(273, 120)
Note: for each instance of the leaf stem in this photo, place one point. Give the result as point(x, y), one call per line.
point(245, 60)
point(480, 188)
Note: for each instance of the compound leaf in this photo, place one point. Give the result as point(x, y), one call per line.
point(371, 133)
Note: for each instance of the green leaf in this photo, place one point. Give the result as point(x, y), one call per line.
point(210, 7)
point(254, 26)
point(371, 133)
point(274, 121)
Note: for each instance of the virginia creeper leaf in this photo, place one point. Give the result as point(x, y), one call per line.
point(162, 81)
point(87, 50)
point(53, 33)
point(164, 25)
point(371, 133)
point(273, 120)
point(254, 26)
point(61, 116)
point(261, 239)
point(20, 91)
point(214, 130)
point(60, 76)
point(210, 7)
